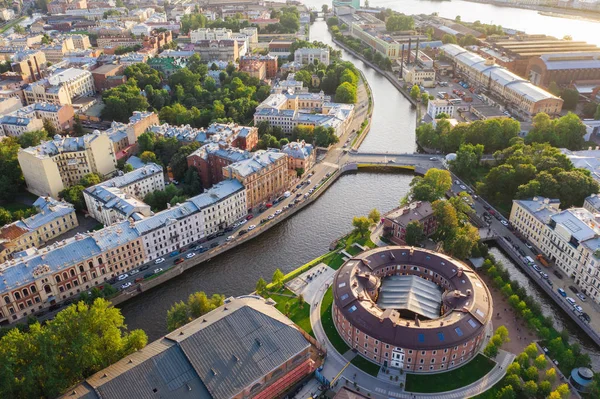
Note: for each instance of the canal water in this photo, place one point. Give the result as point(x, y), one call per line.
point(308, 234)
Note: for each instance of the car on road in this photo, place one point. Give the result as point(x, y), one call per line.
point(174, 253)
point(537, 268)
point(521, 252)
point(159, 261)
point(221, 233)
point(178, 261)
point(242, 232)
point(190, 255)
point(298, 195)
point(270, 217)
point(160, 269)
point(486, 207)
point(581, 296)
point(463, 187)
point(586, 317)
point(278, 212)
point(287, 194)
point(507, 238)
point(145, 267)
point(122, 277)
point(243, 222)
point(214, 245)
point(391, 161)
point(571, 301)
point(134, 271)
point(456, 182)
point(550, 282)
point(504, 223)
point(578, 308)
point(528, 245)
point(562, 292)
point(126, 285)
point(251, 227)
point(433, 159)
point(573, 289)
point(249, 217)
point(544, 275)
point(229, 238)
point(306, 195)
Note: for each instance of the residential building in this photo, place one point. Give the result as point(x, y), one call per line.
point(568, 238)
point(81, 42)
point(31, 117)
point(103, 74)
point(436, 107)
point(288, 110)
point(42, 278)
point(520, 95)
point(252, 34)
point(592, 203)
point(167, 65)
point(119, 198)
point(307, 55)
point(210, 159)
point(59, 163)
point(210, 34)
point(245, 348)
point(269, 61)
point(9, 105)
point(132, 58)
point(61, 88)
point(53, 219)
point(222, 50)
point(186, 223)
point(225, 134)
point(280, 48)
point(301, 156)
point(30, 64)
point(396, 221)
point(255, 69)
point(264, 176)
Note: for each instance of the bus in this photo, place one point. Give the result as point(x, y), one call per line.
point(455, 101)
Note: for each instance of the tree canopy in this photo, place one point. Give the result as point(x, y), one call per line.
point(564, 132)
point(430, 187)
point(197, 305)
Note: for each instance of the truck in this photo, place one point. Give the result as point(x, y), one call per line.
point(529, 260)
point(543, 260)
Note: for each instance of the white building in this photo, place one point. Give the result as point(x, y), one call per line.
point(119, 198)
point(436, 107)
point(141, 30)
point(199, 216)
point(252, 34)
point(307, 56)
point(210, 34)
point(570, 238)
point(62, 87)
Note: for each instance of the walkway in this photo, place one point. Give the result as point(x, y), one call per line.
point(336, 362)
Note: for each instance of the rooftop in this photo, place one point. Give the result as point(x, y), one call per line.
point(260, 160)
point(411, 293)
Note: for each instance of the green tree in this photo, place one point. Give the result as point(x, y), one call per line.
point(361, 225)
point(148, 156)
point(530, 389)
point(448, 38)
point(514, 368)
point(74, 195)
point(177, 316)
point(414, 233)
point(77, 127)
point(32, 138)
point(530, 374)
point(540, 362)
point(531, 350)
point(563, 391)
point(91, 179)
point(432, 186)
point(49, 128)
point(415, 92)
point(374, 216)
point(199, 304)
point(19, 29)
point(491, 350)
point(81, 340)
point(424, 98)
point(467, 160)
point(570, 98)
point(544, 389)
point(346, 93)
point(399, 22)
point(261, 287)
point(146, 142)
point(121, 101)
point(506, 392)
point(11, 178)
point(597, 114)
point(277, 279)
point(514, 381)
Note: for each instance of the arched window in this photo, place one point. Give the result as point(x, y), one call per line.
point(25, 292)
point(90, 264)
point(57, 279)
point(33, 289)
point(65, 275)
point(81, 268)
point(72, 272)
point(7, 299)
point(47, 289)
point(17, 296)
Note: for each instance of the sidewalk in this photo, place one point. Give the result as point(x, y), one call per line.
point(337, 367)
point(376, 235)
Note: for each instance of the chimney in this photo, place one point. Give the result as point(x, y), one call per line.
point(402, 60)
point(417, 52)
point(409, 47)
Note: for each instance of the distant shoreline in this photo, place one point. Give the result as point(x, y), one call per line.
point(569, 13)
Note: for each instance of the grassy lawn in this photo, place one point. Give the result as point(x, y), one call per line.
point(448, 381)
point(354, 251)
point(299, 315)
point(327, 321)
point(11, 24)
point(336, 261)
point(366, 365)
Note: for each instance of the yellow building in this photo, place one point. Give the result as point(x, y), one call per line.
point(265, 176)
point(62, 87)
point(56, 164)
point(53, 219)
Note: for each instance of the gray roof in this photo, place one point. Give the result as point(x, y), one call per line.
point(410, 293)
point(579, 60)
point(215, 356)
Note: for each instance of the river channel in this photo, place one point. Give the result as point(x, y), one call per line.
point(308, 234)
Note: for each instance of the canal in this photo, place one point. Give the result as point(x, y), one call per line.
point(308, 234)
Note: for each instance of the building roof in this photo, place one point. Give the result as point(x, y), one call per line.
point(134, 176)
point(298, 150)
point(577, 60)
point(213, 357)
point(415, 211)
point(61, 144)
point(410, 293)
point(260, 160)
point(541, 208)
point(578, 222)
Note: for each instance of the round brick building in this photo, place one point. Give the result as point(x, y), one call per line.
point(411, 308)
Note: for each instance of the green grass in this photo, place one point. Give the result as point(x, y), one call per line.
point(296, 272)
point(336, 261)
point(327, 321)
point(448, 381)
point(366, 365)
point(11, 24)
point(354, 250)
point(299, 315)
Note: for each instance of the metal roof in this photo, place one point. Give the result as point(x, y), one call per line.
point(410, 293)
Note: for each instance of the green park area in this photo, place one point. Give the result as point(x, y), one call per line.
point(450, 380)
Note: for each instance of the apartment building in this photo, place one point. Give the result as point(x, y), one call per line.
point(306, 56)
point(210, 34)
point(59, 163)
point(45, 277)
point(436, 107)
point(221, 50)
point(269, 61)
point(53, 219)
point(570, 238)
point(210, 159)
point(120, 198)
point(264, 176)
point(32, 117)
point(30, 64)
point(62, 87)
point(301, 156)
point(522, 96)
point(225, 134)
point(396, 221)
point(81, 42)
point(193, 220)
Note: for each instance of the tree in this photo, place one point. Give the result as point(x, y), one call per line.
point(530, 389)
point(554, 89)
point(563, 391)
point(177, 316)
point(146, 142)
point(514, 381)
point(49, 128)
point(414, 233)
point(491, 350)
point(531, 350)
point(514, 368)
point(424, 98)
point(81, 340)
point(540, 362)
point(199, 304)
point(544, 389)
point(523, 359)
point(530, 373)
point(77, 127)
point(121, 101)
point(399, 22)
point(432, 186)
point(374, 216)
point(11, 177)
point(597, 114)
point(506, 392)
point(467, 160)
point(324, 8)
point(32, 138)
point(74, 195)
point(361, 225)
point(261, 286)
point(570, 97)
point(19, 29)
point(346, 93)
point(301, 301)
point(415, 92)
point(277, 279)
point(448, 38)
point(148, 157)
point(91, 179)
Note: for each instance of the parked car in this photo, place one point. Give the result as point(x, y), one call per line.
point(278, 212)
point(126, 285)
point(242, 232)
point(504, 223)
point(134, 271)
point(159, 261)
point(160, 269)
point(249, 217)
point(214, 245)
point(578, 308)
point(562, 292)
point(557, 274)
point(122, 277)
point(581, 296)
point(571, 301)
point(574, 289)
point(174, 253)
point(145, 267)
point(252, 227)
point(190, 255)
point(229, 238)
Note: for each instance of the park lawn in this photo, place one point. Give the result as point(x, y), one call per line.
point(450, 380)
point(366, 365)
point(299, 315)
point(335, 262)
point(327, 321)
point(11, 24)
point(354, 250)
